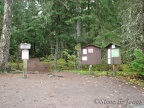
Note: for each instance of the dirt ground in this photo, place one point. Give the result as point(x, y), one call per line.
point(35, 66)
point(68, 90)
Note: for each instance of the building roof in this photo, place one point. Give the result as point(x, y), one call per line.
point(112, 43)
point(91, 45)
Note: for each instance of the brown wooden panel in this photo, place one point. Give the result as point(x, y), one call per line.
point(114, 60)
point(93, 55)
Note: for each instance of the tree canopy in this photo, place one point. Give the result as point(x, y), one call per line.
point(52, 24)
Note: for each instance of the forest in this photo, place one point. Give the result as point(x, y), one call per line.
point(57, 29)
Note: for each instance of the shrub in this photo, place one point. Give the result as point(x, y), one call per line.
point(62, 64)
point(125, 67)
point(51, 57)
point(138, 63)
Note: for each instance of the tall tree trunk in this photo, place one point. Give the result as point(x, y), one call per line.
point(78, 47)
point(143, 26)
point(62, 48)
point(88, 29)
point(51, 49)
point(56, 55)
point(57, 46)
point(5, 36)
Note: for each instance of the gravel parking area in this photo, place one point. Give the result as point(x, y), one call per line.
point(68, 90)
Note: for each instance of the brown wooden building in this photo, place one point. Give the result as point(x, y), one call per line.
point(91, 54)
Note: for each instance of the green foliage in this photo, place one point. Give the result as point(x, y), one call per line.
point(125, 68)
point(71, 59)
point(138, 63)
point(62, 65)
point(71, 64)
point(142, 84)
point(68, 63)
point(16, 66)
point(51, 57)
point(40, 22)
point(99, 73)
point(131, 27)
point(82, 72)
point(1, 14)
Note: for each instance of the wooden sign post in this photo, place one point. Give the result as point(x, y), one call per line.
point(24, 68)
point(25, 57)
point(114, 53)
point(113, 56)
point(114, 71)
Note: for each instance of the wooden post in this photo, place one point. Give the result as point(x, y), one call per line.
point(90, 69)
point(24, 68)
point(114, 71)
point(25, 57)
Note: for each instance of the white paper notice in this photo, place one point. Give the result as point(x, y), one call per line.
point(84, 58)
point(113, 46)
point(25, 54)
point(84, 51)
point(109, 53)
point(90, 50)
point(109, 61)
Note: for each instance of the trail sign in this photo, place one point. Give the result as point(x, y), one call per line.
point(113, 53)
point(25, 57)
point(25, 46)
point(25, 54)
point(91, 55)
